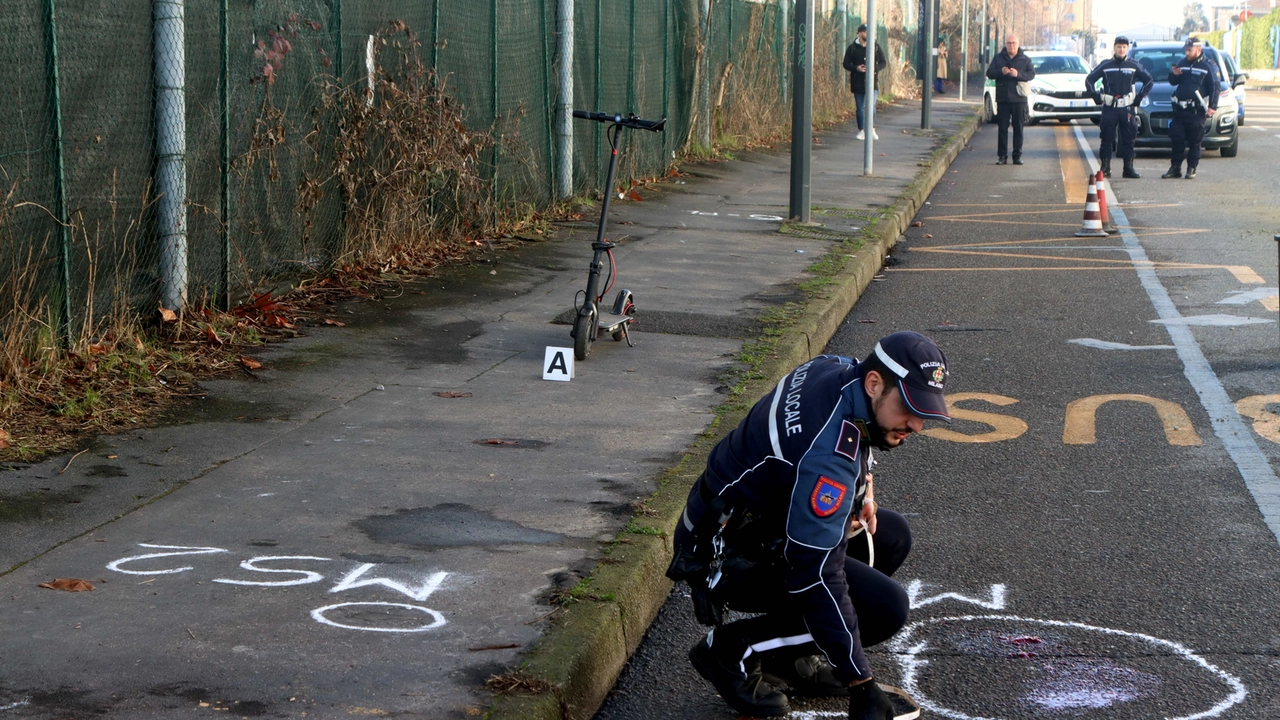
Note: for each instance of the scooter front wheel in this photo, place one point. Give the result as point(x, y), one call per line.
point(585, 327)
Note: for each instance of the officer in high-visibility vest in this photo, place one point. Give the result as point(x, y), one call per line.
point(1195, 98)
point(1124, 84)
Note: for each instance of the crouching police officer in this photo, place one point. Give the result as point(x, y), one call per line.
point(1195, 97)
point(1118, 96)
point(784, 524)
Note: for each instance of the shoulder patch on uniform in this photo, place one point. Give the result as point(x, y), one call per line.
point(849, 441)
point(827, 496)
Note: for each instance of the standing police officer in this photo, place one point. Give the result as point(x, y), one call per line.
point(1118, 96)
point(783, 523)
point(1195, 98)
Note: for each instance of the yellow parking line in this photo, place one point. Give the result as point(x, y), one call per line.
point(1075, 175)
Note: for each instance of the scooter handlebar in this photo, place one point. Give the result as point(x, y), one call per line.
point(628, 120)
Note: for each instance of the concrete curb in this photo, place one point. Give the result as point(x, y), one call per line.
point(581, 656)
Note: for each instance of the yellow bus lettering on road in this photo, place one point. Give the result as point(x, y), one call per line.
point(1080, 427)
point(1003, 426)
point(1265, 422)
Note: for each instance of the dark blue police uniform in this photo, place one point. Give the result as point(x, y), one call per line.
point(1195, 90)
point(768, 527)
point(1124, 84)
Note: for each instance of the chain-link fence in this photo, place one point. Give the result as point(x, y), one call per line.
point(162, 152)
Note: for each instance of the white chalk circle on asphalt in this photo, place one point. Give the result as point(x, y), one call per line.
point(319, 616)
point(769, 218)
point(1055, 671)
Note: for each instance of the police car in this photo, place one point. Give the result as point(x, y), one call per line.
point(1156, 109)
point(1057, 92)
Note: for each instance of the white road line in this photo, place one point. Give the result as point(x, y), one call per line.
point(1236, 437)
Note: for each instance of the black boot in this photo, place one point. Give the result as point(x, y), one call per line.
point(1191, 173)
point(746, 693)
point(1002, 160)
point(1174, 172)
point(1106, 168)
point(807, 676)
point(1129, 172)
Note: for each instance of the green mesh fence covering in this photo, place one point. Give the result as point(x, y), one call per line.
point(83, 232)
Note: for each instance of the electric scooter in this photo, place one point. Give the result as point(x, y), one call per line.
point(589, 323)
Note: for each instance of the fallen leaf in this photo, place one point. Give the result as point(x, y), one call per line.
point(451, 394)
point(928, 236)
point(68, 584)
point(99, 349)
point(634, 196)
point(331, 321)
point(917, 224)
point(213, 336)
point(497, 441)
point(250, 363)
point(168, 315)
point(4, 439)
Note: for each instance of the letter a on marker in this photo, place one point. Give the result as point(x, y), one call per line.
point(558, 364)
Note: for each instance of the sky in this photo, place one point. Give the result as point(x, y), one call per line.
point(1118, 15)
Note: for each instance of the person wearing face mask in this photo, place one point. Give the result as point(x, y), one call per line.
point(1124, 84)
point(783, 523)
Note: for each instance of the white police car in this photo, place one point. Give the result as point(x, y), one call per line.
point(1057, 92)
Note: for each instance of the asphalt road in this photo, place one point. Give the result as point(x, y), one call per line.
point(1088, 543)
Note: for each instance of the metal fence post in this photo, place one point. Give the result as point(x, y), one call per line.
point(435, 35)
point(548, 104)
point(59, 177)
point(224, 100)
point(704, 84)
point(169, 49)
point(564, 101)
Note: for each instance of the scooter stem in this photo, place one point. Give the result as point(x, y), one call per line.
point(612, 133)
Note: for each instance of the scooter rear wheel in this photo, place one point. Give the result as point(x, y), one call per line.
point(584, 333)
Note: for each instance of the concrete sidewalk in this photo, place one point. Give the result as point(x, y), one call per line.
point(345, 534)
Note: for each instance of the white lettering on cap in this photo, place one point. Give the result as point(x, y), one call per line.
point(890, 362)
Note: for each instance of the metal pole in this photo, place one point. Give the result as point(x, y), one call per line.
point(224, 99)
point(842, 11)
point(169, 50)
point(869, 101)
point(59, 177)
point(548, 100)
point(802, 110)
point(564, 135)
point(336, 18)
point(982, 55)
point(784, 24)
point(704, 85)
point(926, 71)
point(964, 47)
point(1277, 239)
point(435, 35)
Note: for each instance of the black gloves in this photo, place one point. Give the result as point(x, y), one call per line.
point(868, 702)
point(705, 608)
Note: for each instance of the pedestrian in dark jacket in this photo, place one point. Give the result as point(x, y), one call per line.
point(1008, 69)
point(855, 61)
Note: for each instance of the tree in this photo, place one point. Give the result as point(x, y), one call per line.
point(1194, 19)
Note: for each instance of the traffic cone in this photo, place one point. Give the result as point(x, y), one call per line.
point(1092, 226)
point(1107, 226)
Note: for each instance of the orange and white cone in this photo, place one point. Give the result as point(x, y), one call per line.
point(1107, 226)
point(1092, 226)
